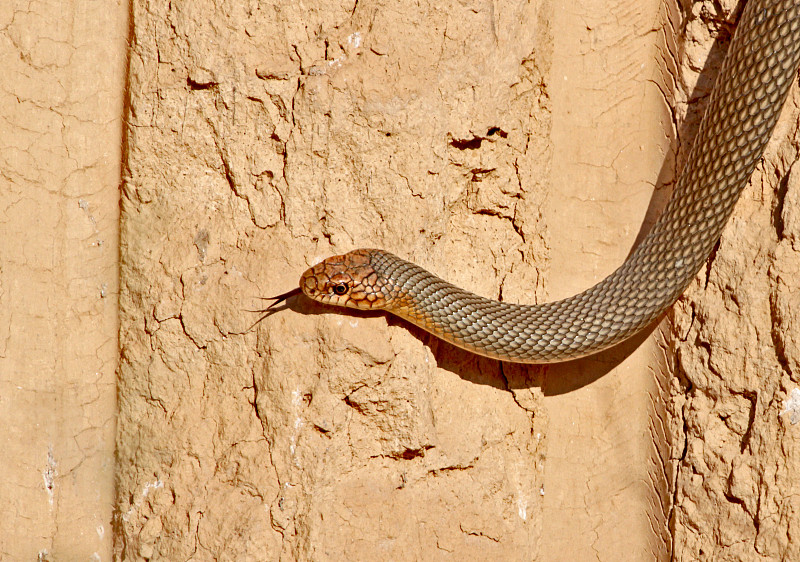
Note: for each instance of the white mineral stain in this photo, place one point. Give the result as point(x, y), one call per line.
point(791, 406)
point(49, 475)
point(354, 39)
point(522, 508)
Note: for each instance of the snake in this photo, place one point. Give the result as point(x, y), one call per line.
point(752, 85)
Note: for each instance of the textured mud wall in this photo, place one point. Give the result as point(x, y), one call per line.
point(734, 399)
point(61, 92)
point(512, 147)
point(261, 138)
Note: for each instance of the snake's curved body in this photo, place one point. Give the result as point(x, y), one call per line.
point(761, 64)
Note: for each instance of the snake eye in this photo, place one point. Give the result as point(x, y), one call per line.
point(340, 289)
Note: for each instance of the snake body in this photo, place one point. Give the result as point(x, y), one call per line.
point(760, 66)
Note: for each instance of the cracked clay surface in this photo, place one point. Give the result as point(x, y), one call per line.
point(518, 149)
point(515, 150)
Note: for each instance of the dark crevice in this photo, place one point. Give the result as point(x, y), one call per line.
point(710, 263)
point(479, 173)
point(254, 403)
point(733, 499)
point(493, 213)
point(467, 144)
point(497, 131)
point(409, 454)
point(685, 336)
point(453, 468)
point(476, 141)
point(777, 213)
point(194, 85)
point(753, 398)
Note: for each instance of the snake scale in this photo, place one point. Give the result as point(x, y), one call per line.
point(761, 64)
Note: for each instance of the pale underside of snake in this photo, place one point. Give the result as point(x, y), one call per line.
point(761, 64)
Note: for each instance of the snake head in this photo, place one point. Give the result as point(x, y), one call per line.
point(346, 280)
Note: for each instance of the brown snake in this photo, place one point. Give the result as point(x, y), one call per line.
point(760, 66)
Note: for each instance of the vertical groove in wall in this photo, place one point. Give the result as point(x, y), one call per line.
point(60, 121)
point(607, 471)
